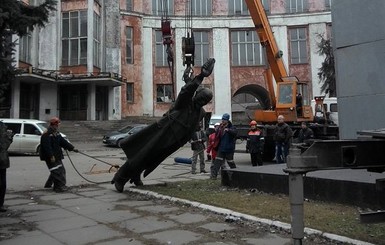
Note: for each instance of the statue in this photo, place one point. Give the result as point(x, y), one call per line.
point(146, 149)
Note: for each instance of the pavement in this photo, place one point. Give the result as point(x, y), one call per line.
point(94, 213)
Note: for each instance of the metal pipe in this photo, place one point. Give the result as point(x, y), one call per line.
point(296, 205)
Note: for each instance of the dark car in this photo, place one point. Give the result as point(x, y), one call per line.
point(115, 137)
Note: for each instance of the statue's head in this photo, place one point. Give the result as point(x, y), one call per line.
point(202, 96)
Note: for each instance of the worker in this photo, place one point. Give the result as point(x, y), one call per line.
point(282, 137)
point(51, 144)
point(255, 143)
point(306, 134)
point(225, 139)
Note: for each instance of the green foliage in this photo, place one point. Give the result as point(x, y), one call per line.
point(326, 72)
point(17, 18)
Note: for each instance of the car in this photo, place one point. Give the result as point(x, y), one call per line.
point(115, 137)
point(26, 134)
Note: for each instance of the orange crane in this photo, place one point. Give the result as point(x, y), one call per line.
point(289, 101)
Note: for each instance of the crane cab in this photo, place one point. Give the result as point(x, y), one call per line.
point(292, 102)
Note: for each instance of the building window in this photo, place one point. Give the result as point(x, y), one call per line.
point(162, 7)
point(296, 6)
point(328, 5)
point(160, 49)
point(129, 5)
point(129, 92)
point(298, 44)
point(201, 47)
point(74, 38)
point(164, 93)
point(201, 7)
point(266, 5)
point(129, 45)
point(96, 51)
point(25, 48)
point(238, 7)
point(246, 49)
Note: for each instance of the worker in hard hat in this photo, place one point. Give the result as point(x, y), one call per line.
point(255, 143)
point(51, 144)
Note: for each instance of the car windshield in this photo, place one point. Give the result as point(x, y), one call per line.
point(125, 129)
point(214, 121)
point(42, 126)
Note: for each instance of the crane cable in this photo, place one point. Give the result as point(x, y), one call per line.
point(188, 43)
point(167, 41)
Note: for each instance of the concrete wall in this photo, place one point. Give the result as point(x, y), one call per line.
point(359, 41)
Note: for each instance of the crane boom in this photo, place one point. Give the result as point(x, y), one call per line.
point(266, 37)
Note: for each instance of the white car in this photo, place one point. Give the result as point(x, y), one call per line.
point(26, 134)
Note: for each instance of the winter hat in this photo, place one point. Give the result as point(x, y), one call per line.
point(226, 117)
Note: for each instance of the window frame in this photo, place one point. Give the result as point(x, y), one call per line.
point(239, 47)
point(205, 7)
point(129, 33)
point(129, 5)
point(160, 49)
point(130, 92)
point(237, 8)
point(73, 39)
point(96, 40)
point(25, 49)
point(165, 93)
point(266, 5)
point(292, 6)
point(202, 47)
point(157, 7)
point(297, 47)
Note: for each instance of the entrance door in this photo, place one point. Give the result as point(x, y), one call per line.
point(101, 103)
point(73, 102)
point(29, 100)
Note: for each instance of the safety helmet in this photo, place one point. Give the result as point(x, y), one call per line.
point(253, 123)
point(54, 121)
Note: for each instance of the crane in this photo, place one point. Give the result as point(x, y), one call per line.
point(287, 102)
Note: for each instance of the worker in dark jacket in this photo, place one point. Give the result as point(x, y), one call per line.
point(6, 137)
point(150, 146)
point(282, 137)
point(305, 134)
point(51, 144)
point(255, 143)
point(225, 138)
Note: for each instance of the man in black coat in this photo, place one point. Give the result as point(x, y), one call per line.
point(6, 138)
point(150, 146)
point(51, 144)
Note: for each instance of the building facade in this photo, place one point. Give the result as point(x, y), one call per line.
point(108, 60)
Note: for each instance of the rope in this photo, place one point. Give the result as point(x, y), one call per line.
point(112, 165)
point(88, 180)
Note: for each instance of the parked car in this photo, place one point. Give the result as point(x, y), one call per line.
point(115, 137)
point(26, 134)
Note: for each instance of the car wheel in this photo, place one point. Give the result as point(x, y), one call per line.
point(118, 143)
point(38, 150)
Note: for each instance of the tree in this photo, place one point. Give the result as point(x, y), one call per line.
point(17, 18)
point(327, 74)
